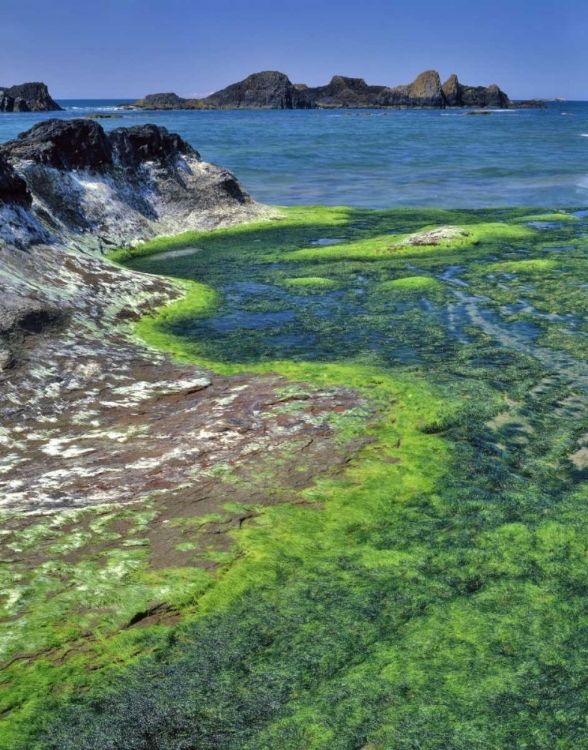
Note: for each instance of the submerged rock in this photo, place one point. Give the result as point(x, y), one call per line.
point(435, 236)
point(27, 97)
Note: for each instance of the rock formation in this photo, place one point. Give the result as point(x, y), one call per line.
point(274, 90)
point(120, 187)
point(267, 90)
point(424, 91)
point(165, 101)
point(106, 419)
point(458, 95)
point(28, 97)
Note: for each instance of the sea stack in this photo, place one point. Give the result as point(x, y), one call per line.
point(27, 97)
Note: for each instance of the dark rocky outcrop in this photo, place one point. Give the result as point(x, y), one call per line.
point(424, 91)
point(458, 95)
point(166, 101)
point(266, 90)
point(28, 97)
point(131, 146)
point(83, 144)
point(340, 92)
point(63, 144)
point(274, 90)
point(114, 188)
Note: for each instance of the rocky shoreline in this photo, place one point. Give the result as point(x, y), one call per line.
point(274, 90)
point(86, 409)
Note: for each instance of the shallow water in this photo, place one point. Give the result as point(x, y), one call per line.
point(383, 158)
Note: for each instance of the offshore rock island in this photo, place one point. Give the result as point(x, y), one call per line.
point(27, 97)
point(274, 90)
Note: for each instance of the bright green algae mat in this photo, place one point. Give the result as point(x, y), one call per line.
point(435, 597)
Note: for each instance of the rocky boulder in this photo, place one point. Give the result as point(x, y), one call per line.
point(28, 97)
point(342, 91)
point(160, 101)
point(63, 144)
point(458, 95)
point(424, 91)
point(102, 189)
point(266, 90)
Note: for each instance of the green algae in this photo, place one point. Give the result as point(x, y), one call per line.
point(311, 282)
point(432, 596)
point(413, 284)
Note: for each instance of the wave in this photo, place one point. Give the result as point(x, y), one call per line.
point(584, 135)
point(91, 109)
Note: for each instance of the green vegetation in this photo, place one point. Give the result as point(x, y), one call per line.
point(432, 596)
point(311, 282)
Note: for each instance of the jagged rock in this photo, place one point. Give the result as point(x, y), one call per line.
point(118, 188)
point(27, 97)
point(451, 91)
point(458, 95)
point(63, 144)
point(148, 143)
point(273, 90)
point(160, 101)
point(424, 91)
point(341, 92)
point(266, 90)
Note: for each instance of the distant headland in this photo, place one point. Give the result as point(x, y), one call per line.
point(27, 97)
point(274, 90)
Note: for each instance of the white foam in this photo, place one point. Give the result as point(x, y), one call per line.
point(584, 135)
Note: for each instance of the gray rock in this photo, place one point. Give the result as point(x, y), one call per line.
point(119, 188)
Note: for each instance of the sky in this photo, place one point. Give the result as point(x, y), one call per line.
point(129, 48)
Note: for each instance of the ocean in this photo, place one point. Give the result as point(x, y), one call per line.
point(380, 158)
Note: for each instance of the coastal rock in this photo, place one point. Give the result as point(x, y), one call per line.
point(27, 97)
point(62, 144)
point(424, 91)
point(119, 188)
point(450, 91)
point(274, 90)
point(165, 102)
point(341, 92)
point(458, 95)
point(160, 101)
point(266, 90)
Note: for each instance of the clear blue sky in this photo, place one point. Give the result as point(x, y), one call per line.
point(128, 48)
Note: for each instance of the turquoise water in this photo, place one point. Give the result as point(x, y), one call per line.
point(382, 158)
